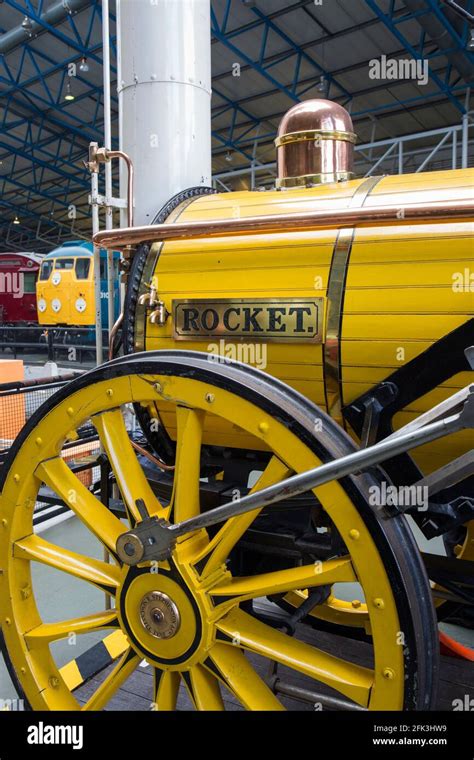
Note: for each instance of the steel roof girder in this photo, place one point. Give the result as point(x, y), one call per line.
point(413, 52)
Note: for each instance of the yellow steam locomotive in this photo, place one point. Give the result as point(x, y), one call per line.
point(257, 520)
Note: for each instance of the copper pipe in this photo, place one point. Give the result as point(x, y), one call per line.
point(310, 220)
point(121, 154)
point(101, 155)
point(113, 333)
point(151, 458)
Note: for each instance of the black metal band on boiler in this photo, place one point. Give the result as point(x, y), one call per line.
point(148, 272)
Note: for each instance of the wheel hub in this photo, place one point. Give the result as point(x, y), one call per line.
point(159, 615)
point(162, 617)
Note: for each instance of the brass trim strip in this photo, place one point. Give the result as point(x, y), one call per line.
point(335, 297)
point(313, 134)
point(306, 180)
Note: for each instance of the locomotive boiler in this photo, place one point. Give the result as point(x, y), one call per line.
point(343, 313)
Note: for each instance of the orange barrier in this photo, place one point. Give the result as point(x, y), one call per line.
point(81, 454)
point(453, 648)
point(12, 408)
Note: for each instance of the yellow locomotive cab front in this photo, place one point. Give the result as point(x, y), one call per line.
point(65, 287)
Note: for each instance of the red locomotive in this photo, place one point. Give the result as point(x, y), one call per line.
point(18, 275)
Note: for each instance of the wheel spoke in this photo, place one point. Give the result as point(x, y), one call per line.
point(226, 538)
point(186, 501)
point(237, 673)
point(128, 472)
point(203, 688)
point(128, 663)
point(56, 474)
point(335, 610)
point(48, 632)
point(467, 547)
point(354, 681)
point(278, 582)
point(105, 576)
point(165, 689)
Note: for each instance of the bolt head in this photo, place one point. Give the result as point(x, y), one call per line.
point(157, 616)
point(129, 549)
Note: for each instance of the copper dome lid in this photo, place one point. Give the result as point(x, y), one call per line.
point(315, 144)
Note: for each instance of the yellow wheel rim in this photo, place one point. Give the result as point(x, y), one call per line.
point(209, 650)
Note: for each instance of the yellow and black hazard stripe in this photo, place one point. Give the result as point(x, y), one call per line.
point(95, 659)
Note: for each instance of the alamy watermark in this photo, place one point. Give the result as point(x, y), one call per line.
point(463, 282)
point(12, 283)
point(12, 704)
point(386, 495)
point(42, 733)
point(399, 68)
point(466, 704)
point(248, 353)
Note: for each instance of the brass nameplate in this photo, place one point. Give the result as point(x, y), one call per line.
point(267, 319)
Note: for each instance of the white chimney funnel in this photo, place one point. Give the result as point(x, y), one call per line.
point(164, 90)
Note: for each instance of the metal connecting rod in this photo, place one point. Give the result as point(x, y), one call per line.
point(154, 539)
point(339, 468)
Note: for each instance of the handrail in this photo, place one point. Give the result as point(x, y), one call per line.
point(121, 238)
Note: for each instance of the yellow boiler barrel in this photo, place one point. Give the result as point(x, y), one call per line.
point(333, 312)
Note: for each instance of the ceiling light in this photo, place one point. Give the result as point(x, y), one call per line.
point(69, 94)
point(470, 43)
point(228, 156)
point(322, 84)
point(16, 220)
point(26, 24)
point(84, 66)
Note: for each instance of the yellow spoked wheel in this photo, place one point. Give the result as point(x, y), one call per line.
point(188, 617)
